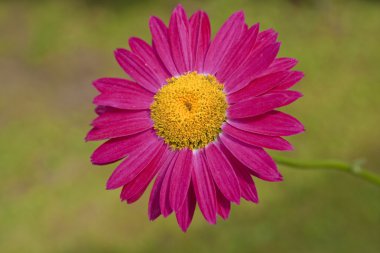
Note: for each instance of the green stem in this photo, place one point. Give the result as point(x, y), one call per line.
point(353, 169)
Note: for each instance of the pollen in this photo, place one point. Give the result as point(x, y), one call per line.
point(189, 110)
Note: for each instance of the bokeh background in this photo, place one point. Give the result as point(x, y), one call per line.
point(53, 200)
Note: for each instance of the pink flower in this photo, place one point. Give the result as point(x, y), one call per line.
point(197, 116)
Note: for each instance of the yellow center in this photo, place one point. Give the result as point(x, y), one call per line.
point(189, 110)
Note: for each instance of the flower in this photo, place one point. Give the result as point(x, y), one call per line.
point(197, 116)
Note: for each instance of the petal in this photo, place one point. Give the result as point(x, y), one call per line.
point(113, 115)
point(161, 44)
point(107, 127)
point(238, 54)
point(133, 165)
point(257, 87)
point(258, 140)
point(147, 54)
point(154, 209)
point(260, 105)
point(225, 39)
point(200, 32)
point(247, 186)
point(186, 212)
point(223, 205)
point(138, 69)
point(133, 191)
point(272, 123)
point(180, 179)
point(204, 188)
point(289, 81)
point(118, 148)
point(122, 94)
point(256, 159)
point(180, 42)
point(166, 208)
point(222, 173)
point(280, 64)
point(257, 62)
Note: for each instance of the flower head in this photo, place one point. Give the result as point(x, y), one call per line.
point(197, 115)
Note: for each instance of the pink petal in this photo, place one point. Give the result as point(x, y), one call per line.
point(180, 42)
point(186, 212)
point(247, 186)
point(134, 165)
point(258, 140)
point(116, 149)
point(133, 190)
point(166, 208)
point(238, 54)
point(161, 44)
point(108, 126)
point(200, 38)
point(138, 69)
point(265, 38)
point(154, 209)
point(113, 115)
point(180, 179)
point(225, 39)
point(256, 159)
point(147, 54)
point(257, 87)
point(204, 188)
point(223, 205)
point(260, 105)
point(257, 62)
point(223, 173)
point(122, 94)
point(289, 81)
point(280, 64)
point(272, 123)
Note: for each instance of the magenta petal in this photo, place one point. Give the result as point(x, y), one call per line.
point(256, 159)
point(272, 123)
point(165, 206)
point(180, 179)
point(262, 104)
point(247, 186)
point(280, 64)
point(122, 94)
point(265, 141)
point(133, 190)
point(116, 149)
point(180, 42)
point(139, 70)
point(147, 54)
point(251, 68)
point(228, 35)
point(186, 212)
point(258, 87)
point(223, 173)
point(154, 209)
point(133, 165)
point(161, 44)
point(289, 81)
point(238, 54)
point(204, 187)
point(104, 129)
point(223, 205)
point(200, 32)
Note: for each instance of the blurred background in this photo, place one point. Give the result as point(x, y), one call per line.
point(53, 200)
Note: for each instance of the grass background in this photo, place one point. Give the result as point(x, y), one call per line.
point(53, 200)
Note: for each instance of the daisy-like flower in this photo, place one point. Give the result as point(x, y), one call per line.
point(197, 115)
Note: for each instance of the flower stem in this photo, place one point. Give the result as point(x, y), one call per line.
point(354, 169)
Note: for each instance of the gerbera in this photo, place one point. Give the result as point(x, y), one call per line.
point(197, 115)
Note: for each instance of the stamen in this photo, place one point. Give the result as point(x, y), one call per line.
point(189, 110)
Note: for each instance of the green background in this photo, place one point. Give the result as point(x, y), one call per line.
point(53, 200)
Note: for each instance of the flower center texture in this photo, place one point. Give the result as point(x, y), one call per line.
point(189, 110)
